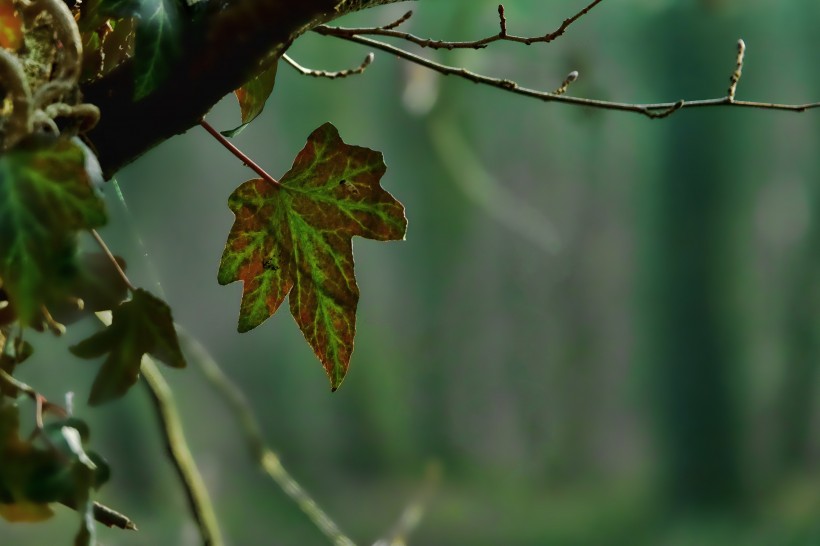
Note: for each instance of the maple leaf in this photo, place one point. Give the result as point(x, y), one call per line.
point(295, 238)
point(252, 97)
point(46, 197)
point(139, 326)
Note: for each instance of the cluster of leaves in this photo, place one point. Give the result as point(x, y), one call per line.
point(47, 281)
point(292, 234)
point(291, 237)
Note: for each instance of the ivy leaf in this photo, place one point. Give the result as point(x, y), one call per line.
point(106, 46)
point(46, 197)
point(252, 97)
point(295, 239)
point(142, 325)
point(45, 468)
point(11, 26)
point(157, 41)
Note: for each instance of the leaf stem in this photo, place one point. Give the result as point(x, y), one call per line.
point(248, 162)
point(113, 260)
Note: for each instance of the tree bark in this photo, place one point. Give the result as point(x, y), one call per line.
point(220, 52)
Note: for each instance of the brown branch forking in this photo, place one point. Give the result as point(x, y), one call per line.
point(650, 110)
point(205, 71)
point(502, 36)
point(264, 29)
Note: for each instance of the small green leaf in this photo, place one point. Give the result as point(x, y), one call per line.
point(252, 97)
point(157, 46)
point(45, 468)
point(142, 325)
point(158, 35)
point(295, 239)
point(46, 197)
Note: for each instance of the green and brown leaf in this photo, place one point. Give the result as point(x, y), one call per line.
point(252, 97)
point(295, 238)
point(140, 326)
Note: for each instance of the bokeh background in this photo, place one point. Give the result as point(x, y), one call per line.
point(602, 329)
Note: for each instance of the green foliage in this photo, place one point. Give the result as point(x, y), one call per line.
point(46, 198)
point(52, 466)
point(290, 238)
point(140, 326)
point(159, 25)
point(295, 238)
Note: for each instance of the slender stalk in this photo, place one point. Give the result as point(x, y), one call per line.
point(329, 75)
point(162, 398)
point(112, 259)
point(247, 161)
point(175, 443)
point(261, 453)
point(412, 515)
point(651, 110)
point(502, 36)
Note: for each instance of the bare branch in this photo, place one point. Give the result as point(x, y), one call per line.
point(651, 110)
point(330, 75)
point(502, 36)
point(197, 495)
point(398, 22)
point(414, 512)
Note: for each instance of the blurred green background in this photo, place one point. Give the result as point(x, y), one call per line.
point(603, 328)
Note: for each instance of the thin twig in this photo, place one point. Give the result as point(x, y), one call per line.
point(502, 36)
point(248, 162)
point(259, 450)
point(111, 518)
point(651, 110)
point(735, 78)
point(398, 22)
point(40, 401)
point(414, 512)
point(330, 75)
point(108, 516)
point(162, 398)
point(112, 259)
point(175, 443)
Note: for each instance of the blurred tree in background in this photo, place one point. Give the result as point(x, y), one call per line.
point(602, 327)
